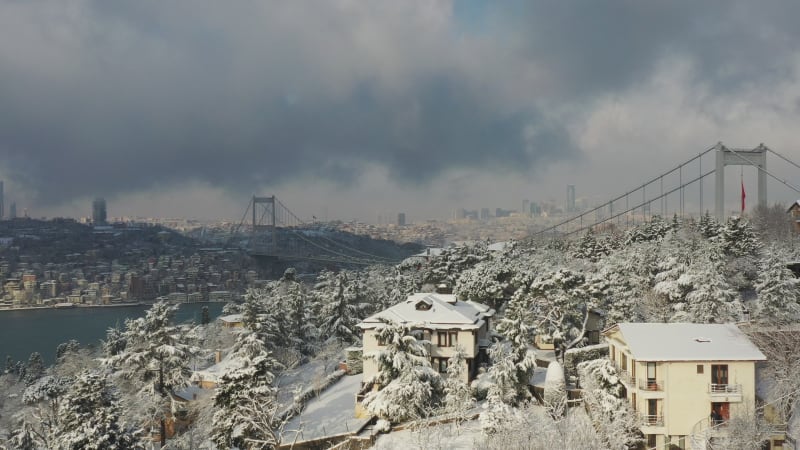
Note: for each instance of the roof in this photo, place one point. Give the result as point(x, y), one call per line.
point(687, 342)
point(443, 311)
point(793, 205)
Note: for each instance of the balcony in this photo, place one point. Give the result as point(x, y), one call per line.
point(725, 392)
point(651, 385)
point(653, 420)
point(625, 376)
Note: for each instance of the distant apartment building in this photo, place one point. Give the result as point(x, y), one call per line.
point(99, 211)
point(571, 198)
point(401, 219)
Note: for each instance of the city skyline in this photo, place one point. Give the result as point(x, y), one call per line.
point(340, 108)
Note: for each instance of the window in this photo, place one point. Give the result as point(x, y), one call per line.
point(453, 335)
point(381, 342)
point(719, 374)
point(699, 368)
point(440, 364)
point(447, 338)
point(651, 440)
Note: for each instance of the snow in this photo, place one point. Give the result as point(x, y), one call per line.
point(330, 414)
point(446, 436)
point(445, 311)
point(232, 318)
point(682, 342)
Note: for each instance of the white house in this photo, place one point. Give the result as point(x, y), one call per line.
point(444, 321)
point(685, 379)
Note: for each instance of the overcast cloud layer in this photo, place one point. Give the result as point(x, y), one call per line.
point(132, 99)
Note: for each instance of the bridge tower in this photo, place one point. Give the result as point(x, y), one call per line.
point(726, 157)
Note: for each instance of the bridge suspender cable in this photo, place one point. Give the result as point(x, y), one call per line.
point(641, 187)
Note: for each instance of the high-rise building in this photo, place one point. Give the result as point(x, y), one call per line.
point(12, 211)
point(570, 198)
point(401, 219)
point(2, 202)
point(99, 211)
point(484, 213)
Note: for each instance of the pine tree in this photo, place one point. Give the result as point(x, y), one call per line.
point(114, 343)
point(34, 369)
point(708, 226)
point(409, 387)
point(458, 397)
point(341, 311)
point(90, 418)
point(246, 399)
point(157, 351)
point(778, 291)
point(738, 237)
point(24, 437)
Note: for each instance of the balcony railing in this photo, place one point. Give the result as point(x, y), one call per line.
point(624, 375)
point(651, 385)
point(725, 388)
point(653, 420)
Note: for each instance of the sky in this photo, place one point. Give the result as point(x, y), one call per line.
point(349, 109)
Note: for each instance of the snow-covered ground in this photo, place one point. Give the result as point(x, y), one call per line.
point(329, 414)
point(448, 436)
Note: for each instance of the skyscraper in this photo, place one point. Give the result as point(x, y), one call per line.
point(2, 202)
point(570, 198)
point(12, 211)
point(99, 211)
point(401, 219)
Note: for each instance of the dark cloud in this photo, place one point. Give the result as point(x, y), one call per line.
point(110, 97)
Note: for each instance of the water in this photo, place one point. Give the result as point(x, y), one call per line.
point(41, 330)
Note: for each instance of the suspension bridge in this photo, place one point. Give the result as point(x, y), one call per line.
point(270, 230)
point(653, 196)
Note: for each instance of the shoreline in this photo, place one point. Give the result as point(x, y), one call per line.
point(81, 306)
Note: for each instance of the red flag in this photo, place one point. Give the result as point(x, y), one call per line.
point(743, 196)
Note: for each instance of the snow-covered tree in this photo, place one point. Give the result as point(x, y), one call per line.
point(555, 389)
point(778, 292)
point(448, 266)
point(90, 418)
point(562, 303)
point(246, 400)
point(590, 247)
point(738, 238)
point(509, 374)
point(653, 230)
point(34, 369)
point(299, 318)
point(457, 394)
point(408, 385)
point(530, 427)
point(603, 393)
point(708, 226)
point(710, 298)
point(24, 437)
point(489, 282)
point(157, 352)
point(341, 310)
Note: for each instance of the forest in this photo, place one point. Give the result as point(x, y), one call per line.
point(126, 394)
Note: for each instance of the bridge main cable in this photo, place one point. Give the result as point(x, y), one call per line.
point(620, 197)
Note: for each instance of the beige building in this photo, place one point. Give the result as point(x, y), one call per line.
point(686, 380)
point(444, 321)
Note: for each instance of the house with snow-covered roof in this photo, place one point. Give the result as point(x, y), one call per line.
point(444, 321)
point(794, 213)
point(686, 380)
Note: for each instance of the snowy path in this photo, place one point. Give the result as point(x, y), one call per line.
point(329, 414)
